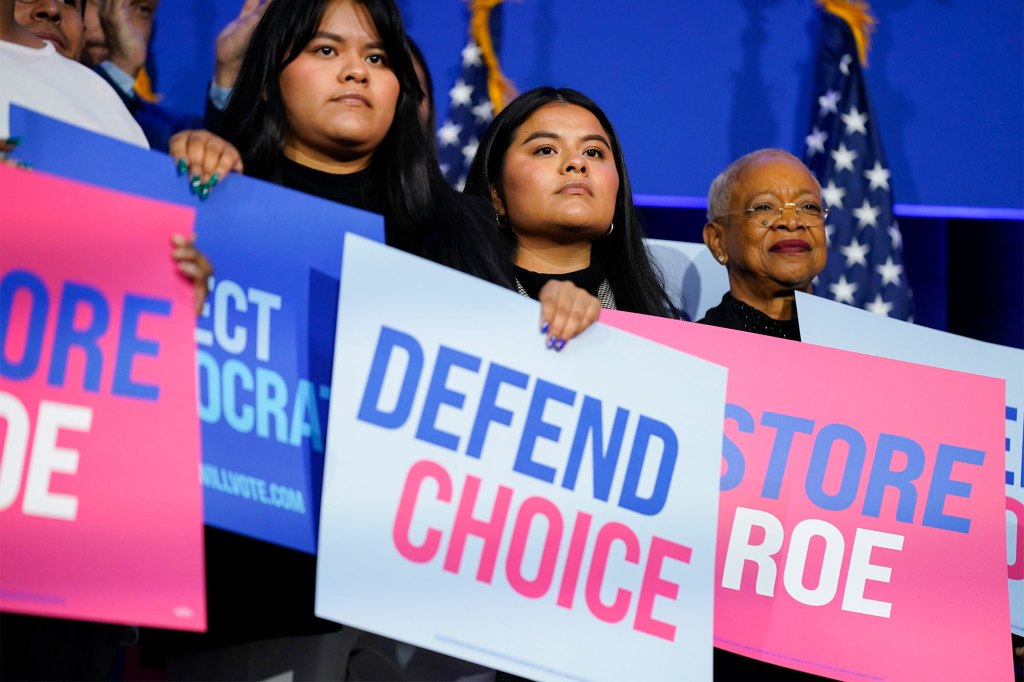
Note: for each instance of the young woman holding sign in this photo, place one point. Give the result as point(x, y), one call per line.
point(326, 103)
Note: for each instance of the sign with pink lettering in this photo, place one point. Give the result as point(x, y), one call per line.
point(100, 504)
point(542, 513)
point(861, 524)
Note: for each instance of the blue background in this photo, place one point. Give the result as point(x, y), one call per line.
point(691, 85)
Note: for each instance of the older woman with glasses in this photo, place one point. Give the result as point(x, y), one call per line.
point(766, 225)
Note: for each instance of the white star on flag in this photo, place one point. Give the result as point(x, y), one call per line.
point(855, 121)
point(842, 290)
point(878, 176)
point(844, 64)
point(469, 151)
point(828, 102)
point(844, 157)
point(889, 271)
point(867, 214)
point(816, 141)
point(461, 94)
point(855, 252)
point(484, 111)
point(448, 134)
point(833, 195)
point(895, 236)
point(471, 55)
point(879, 306)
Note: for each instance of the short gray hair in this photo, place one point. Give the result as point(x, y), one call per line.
point(720, 191)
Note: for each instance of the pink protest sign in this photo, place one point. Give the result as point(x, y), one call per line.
point(861, 523)
point(100, 507)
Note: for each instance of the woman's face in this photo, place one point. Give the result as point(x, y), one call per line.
point(790, 251)
point(559, 181)
point(339, 94)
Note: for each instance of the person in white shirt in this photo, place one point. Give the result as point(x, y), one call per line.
point(35, 75)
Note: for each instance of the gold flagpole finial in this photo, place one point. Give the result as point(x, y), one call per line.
point(499, 88)
point(857, 14)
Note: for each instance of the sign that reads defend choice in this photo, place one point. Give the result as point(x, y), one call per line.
point(483, 495)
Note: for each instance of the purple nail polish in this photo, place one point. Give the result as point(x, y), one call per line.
point(544, 328)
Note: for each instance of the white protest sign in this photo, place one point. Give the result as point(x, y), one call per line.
point(693, 279)
point(827, 323)
point(547, 514)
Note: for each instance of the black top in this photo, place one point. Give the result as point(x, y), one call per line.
point(734, 314)
point(589, 279)
point(456, 233)
point(342, 188)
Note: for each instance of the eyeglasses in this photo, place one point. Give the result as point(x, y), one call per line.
point(766, 213)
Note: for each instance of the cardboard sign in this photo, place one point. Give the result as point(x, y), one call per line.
point(532, 511)
point(823, 322)
point(861, 516)
point(266, 337)
point(100, 505)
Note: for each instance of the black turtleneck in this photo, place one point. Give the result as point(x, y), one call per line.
point(589, 279)
point(344, 188)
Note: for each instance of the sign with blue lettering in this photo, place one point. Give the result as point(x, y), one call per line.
point(525, 494)
point(828, 323)
point(266, 336)
point(852, 491)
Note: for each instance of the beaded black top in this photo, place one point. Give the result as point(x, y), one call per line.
point(735, 314)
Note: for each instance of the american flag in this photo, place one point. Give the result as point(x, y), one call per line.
point(469, 113)
point(844, 151)
point(470, 107)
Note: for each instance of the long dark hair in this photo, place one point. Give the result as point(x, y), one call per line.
point(423, 214)
point(634, 279)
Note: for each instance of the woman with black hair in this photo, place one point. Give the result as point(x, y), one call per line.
point(552, 167)
point(327, 103)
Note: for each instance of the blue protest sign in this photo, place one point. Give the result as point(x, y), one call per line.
point(266, 336)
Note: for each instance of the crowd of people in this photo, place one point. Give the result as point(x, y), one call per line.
point(327, 97)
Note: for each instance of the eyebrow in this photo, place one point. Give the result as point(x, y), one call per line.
point(327, 35)
point(800, 192)
point(586, 138)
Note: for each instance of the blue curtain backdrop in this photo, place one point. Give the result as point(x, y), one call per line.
point(690, 85)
